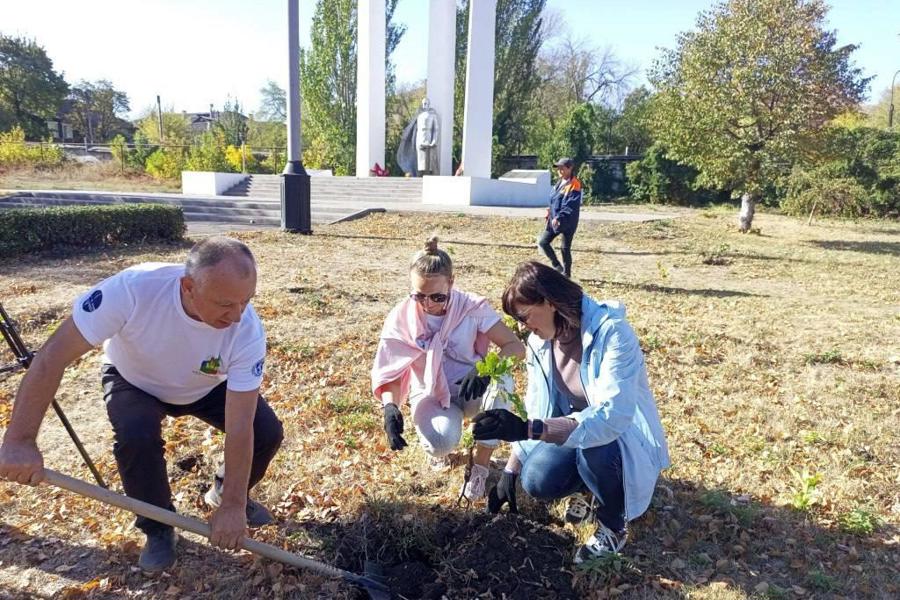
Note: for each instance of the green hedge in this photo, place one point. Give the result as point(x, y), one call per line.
point(24, 230)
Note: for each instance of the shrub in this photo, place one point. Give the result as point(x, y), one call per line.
point(165, 164)
point(821, 192)
point(14, 152)
point(24, 230)
point(208, 155)
point(274, 163)
point(599, 182)
point(241, 164)
point(660, 180)
point(135, 157)
point(855, 172)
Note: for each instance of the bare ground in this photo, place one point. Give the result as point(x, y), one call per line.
point(71, 175)
point(774, 359)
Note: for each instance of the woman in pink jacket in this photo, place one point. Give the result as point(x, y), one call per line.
point(427, 352)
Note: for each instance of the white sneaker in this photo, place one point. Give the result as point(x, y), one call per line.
point(439, 463)
point(475, 487)
point(604, 541)
point(579, 508)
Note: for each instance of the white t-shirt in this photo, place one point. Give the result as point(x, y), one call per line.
point(459, 355)
point(157, 347)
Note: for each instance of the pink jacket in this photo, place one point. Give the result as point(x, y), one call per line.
point(398, 347)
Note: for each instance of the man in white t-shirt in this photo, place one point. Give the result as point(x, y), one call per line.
point(178, 340)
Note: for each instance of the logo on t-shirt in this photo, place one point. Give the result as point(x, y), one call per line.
point(211, 365)
point(93, 301)
point(258, 367)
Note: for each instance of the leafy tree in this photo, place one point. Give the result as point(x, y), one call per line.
point(266, 135)
point(31, 91)
point(328, 81)
point(573, 138)
point(97, 109)
point(232, 124)
point(274, 103)
point(393, 34)
point(176, 129)
point(632, 128)
point(740, 94)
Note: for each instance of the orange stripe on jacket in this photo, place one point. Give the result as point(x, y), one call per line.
point(574, 186)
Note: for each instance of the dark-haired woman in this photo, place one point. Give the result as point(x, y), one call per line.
point(592, 421)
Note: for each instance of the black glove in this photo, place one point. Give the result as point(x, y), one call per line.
point(393, 426)
point(502, 493)
point(473, 385)
point(499, 424)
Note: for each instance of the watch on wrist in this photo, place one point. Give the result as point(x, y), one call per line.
point(537, 429)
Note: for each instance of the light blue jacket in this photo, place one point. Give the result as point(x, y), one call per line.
point(620, 404)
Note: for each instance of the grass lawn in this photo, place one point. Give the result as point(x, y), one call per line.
point(774, 359)
point(91, 176)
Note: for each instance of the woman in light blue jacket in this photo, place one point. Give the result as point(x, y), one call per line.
point(592, 421)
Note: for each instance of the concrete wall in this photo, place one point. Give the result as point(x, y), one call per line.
point(479, 191)
point(205, 183)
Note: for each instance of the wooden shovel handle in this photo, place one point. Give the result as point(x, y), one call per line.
point(199, 527)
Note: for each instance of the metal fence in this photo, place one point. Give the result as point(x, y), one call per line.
point(109, 152)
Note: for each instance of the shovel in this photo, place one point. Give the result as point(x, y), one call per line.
point(375, 589)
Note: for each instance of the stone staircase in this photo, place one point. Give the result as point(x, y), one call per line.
point(329, 189)
point(256, 201)
point(264, 212)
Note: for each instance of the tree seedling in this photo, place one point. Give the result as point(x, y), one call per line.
point(497, 369)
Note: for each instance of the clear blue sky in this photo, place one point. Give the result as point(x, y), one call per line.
point(201, 51)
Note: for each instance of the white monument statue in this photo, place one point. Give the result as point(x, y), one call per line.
point(427, 132)
point(419, 153)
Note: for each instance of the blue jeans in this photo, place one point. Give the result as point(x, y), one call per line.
point(550, 472)
point(547, 236)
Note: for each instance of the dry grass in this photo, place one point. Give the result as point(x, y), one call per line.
point(104, 176)
point(774, 359)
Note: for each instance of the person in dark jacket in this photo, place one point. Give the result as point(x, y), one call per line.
point(562, 216)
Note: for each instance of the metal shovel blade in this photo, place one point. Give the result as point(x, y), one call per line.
point(376, 589)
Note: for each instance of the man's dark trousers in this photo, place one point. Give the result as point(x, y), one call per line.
point(566, 249)
point(137, 417)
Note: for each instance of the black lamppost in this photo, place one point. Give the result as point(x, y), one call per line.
point(891, 109)
point(295, 189)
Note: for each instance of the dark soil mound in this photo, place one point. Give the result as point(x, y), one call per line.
point(475, 555)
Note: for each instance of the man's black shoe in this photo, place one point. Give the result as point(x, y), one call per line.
point(257, 514)
point(159, 551)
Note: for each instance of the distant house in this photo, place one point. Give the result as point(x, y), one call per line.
point(203, 121)
point(61, 128)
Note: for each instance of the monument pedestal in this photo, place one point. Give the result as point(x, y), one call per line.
point(515, 188)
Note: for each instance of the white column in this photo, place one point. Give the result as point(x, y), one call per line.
point(478, 119)
point(441, 74)
point(293, 96)
point(370, 119)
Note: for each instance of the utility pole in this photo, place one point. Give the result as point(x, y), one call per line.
point(295, 192)
point(159, 118)
point(891, 109)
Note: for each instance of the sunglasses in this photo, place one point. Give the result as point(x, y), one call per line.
point(521, 318)
point(436, 298)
